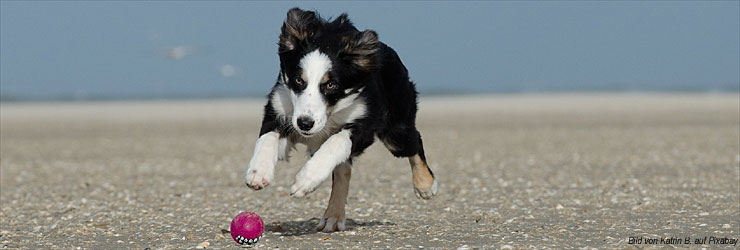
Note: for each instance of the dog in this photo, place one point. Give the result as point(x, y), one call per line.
point(338, 88)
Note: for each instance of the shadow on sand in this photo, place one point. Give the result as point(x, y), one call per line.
point(297, 228)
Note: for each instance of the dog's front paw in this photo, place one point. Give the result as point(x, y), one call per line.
point(259, 176)
point(332, 224)
point(304, 183)
point(428, 192)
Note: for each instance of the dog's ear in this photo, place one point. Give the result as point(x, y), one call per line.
point(299, 25)
point(361, 49)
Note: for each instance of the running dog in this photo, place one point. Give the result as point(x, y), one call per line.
point(338, 88)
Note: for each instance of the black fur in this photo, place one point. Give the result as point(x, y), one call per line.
point(360, 61)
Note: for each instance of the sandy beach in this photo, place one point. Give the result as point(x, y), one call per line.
point(516, 171)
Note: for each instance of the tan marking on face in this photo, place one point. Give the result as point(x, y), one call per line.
point(303, 76)
point(421, 176)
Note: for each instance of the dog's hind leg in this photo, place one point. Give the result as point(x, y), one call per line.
point(334, 218)
point(425, 185)
point(406, 142)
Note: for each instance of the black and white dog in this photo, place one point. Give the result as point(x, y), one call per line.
point(338, 89)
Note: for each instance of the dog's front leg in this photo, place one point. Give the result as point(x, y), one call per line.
point(334, 151)
point(334, 218)
point(261, 169)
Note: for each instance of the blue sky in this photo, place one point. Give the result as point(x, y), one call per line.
point(56, 49)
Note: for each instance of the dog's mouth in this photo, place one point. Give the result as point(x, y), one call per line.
point(305, 134)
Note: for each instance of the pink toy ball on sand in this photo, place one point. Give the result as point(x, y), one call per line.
point(247, 228)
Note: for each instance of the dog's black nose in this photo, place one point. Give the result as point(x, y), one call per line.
point(305, 123)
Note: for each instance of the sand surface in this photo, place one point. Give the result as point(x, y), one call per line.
point(555, 170)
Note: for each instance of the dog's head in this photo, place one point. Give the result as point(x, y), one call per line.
point(324, 64)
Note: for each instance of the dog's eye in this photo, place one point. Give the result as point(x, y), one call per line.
point(331, 85)
point(299, 81)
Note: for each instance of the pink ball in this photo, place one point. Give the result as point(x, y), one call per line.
point(247, 228)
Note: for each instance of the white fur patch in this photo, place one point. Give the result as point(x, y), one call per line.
point(334, 151)
point(315, 65)
point(310, 102)
point(282, 102)
point(261, 168)
point(348, 110)
point(345, 102)
point(284, 148)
